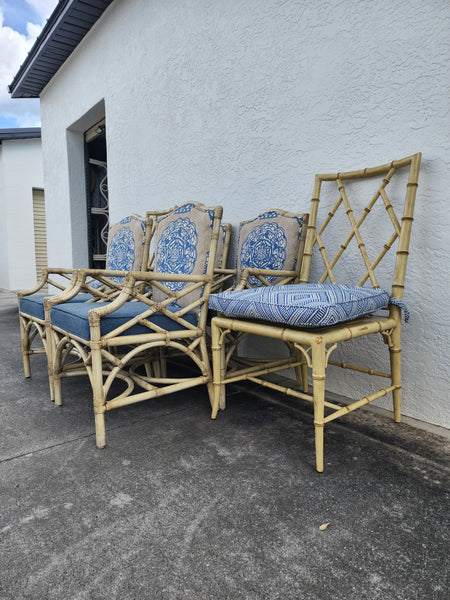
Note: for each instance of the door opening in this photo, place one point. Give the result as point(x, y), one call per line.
point(97, 194)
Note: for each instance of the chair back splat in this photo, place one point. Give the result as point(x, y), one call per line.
point(400, 218)
point(356, 249)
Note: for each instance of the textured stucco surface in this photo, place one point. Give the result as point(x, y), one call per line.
point(20, 172)
point(239, 103)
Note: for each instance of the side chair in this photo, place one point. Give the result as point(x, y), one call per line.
point(163, 308)
point(316, 317)
point(270, 252)
point(127, 249)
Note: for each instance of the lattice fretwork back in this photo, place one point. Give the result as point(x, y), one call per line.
point(358, 212)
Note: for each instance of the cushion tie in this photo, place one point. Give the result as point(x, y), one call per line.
point(401, 305)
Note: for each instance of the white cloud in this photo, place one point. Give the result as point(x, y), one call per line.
point(14, 48)
point(43, 8)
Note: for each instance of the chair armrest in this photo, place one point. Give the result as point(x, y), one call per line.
point(46, 279)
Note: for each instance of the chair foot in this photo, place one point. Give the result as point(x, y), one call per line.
point(56, 392)
point(319, 448)
point(218, 391)
point(100, 432)
point(26, 366)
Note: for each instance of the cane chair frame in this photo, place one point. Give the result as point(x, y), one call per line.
point(233, 338)
point(32, 327)
point(316, 345)
point(154, 216)
point(116, 355)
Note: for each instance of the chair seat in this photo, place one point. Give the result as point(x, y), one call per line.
point(302, 305)
point(34, 305)
point(74, 318)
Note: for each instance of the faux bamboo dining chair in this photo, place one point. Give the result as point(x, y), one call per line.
point(317, 317)
point(270, 252)
point(127, 250)
point(166, 307)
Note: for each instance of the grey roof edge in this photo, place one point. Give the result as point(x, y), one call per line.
point(20, 133)
point(35, 72)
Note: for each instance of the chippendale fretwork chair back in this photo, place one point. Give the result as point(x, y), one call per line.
point(400, 226)
point(315, 318)
point(163, 308)
point(127, 249)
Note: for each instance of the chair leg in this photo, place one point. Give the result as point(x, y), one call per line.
point(218, 359)
point(25, 348)
point(54, 382)
point(163, 362)
point(99, 398)
point(55, 387)
point(318, 377)
point(304, 369)
point(301, 372)
point(206, 369)
point(100, 430)
point(396, 371)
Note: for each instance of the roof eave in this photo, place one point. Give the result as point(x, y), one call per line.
point(32, 77)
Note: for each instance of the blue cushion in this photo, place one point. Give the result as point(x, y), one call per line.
point(34, 305)
point(302, 305)
point(74, 318)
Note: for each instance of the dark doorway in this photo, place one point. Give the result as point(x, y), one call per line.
point(97, 196)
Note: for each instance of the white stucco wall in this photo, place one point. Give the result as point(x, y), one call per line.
point(240, 103)
point(20, 171)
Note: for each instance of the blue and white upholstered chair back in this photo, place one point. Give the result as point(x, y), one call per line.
point(274, 240)
point(126, 241)
point(183, 240)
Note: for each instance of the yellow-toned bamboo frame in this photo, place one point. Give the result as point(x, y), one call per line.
point(154, 216)
point(233, 339)
point(316, 345)
point(118, 355)
point(222, 273)
point(32, 327)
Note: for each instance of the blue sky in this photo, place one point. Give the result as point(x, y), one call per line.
point(17, 13)
point(21, 21)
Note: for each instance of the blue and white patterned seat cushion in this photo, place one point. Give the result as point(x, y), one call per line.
point(183, 241)
point(270, 241)
point(33, 305)
point(74, 318)
point(125, 246)
point(303, 305)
